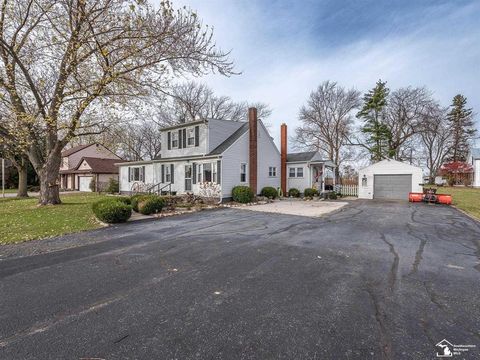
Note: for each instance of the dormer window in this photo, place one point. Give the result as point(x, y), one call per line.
point(191, 137)
point(174, 140)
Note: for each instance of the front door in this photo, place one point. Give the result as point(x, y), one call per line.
point(188, 177)
point(317, 177)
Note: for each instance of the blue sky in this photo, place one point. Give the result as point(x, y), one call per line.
point(284, 49)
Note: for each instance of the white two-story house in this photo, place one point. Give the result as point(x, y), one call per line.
point(228, 153)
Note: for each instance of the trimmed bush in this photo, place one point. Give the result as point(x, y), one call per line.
point(151, 204)
point(293, 192)
point(124, 199)
point(242, 194)
point(332, 195)
point(113, 186)
point(310, 192)
point(112, 211)
point(135, 199)
point(269, 192)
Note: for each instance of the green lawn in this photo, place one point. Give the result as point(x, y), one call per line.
point(22, 219)
point(8, 191)
point(466, 199)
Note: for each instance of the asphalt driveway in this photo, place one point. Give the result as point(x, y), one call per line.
point(375, 280)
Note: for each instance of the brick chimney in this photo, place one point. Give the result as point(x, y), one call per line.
point(283, 158)
point(252, 149)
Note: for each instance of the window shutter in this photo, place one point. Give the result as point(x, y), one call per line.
point(194, 173)
point(197, 135)
point(163, 173)
point(180, 142)
point(184, 138)
point(169, 140)
point(143, 174)
point(172, 171)
point(129, 174)
point(219, 171)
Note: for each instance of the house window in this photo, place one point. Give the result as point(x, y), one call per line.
point(243, 172)
point(191, 137)
point(300, 172)
point(188, 177)
point(214, 172)
point(291, 172)
point(207, 172)
point(174, 139)
point(272, 171)
point(168, 174)
point(136, 173)
point(199, 173)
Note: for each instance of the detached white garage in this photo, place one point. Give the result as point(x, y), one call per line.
point(389, 179)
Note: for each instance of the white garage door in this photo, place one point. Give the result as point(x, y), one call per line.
point(84, 183)
point(392, 186)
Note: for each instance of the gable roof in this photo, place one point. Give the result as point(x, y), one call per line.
point(398, 163)
point(100, 166)
point(75, 149)
point(301, 156)
point(230, 140)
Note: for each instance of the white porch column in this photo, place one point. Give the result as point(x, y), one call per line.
point(334, 178)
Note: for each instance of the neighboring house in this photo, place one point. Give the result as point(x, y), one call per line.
point(83, 163)
point(474, 159)
point(389, 179)
point(228, 153)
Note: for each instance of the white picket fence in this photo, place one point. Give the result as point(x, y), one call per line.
point(348, 190)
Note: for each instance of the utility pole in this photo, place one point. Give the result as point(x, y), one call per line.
point(3, 177)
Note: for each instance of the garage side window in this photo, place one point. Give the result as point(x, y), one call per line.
point(291, 172)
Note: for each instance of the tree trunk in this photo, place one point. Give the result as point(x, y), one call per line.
point(22, 178)
point(48, 174)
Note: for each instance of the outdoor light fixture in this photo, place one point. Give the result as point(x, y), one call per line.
point(364, 180)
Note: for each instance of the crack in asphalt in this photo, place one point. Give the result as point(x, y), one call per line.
point(385, 340)
point(392, 275)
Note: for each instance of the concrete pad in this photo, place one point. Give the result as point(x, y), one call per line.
point(296, 207)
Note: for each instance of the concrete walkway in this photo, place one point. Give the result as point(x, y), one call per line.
point(313, 208)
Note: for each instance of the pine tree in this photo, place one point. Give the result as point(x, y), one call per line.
point(377, 133)
point(462, 128)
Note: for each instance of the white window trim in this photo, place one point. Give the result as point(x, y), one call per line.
point(175, 138)
point(274, 172)
point(168, 174)
point(193, 137)
point(246, 173)
point(132, 174)
point(296, 172)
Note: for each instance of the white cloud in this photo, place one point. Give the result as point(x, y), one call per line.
point(441, 54)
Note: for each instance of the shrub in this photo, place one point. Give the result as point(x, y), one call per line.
point(112, 211)
point(151, 204)
point(112, 186)
point(135, 199)
point(293, 192)
point(93, 184)
point(310, 192)
point(124, 199)
point(332, 195)
point(242, 194)
point(269, 192)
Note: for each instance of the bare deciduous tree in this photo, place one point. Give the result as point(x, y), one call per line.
point(403, 118)
point(327, 120)
point(436, 136)
point(63, 63)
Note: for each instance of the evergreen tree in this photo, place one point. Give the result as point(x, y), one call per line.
point(462, 128)
point(377, 133)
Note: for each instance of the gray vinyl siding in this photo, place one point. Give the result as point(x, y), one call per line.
point(219, 131)
point(268, 155)
point(231, 160)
